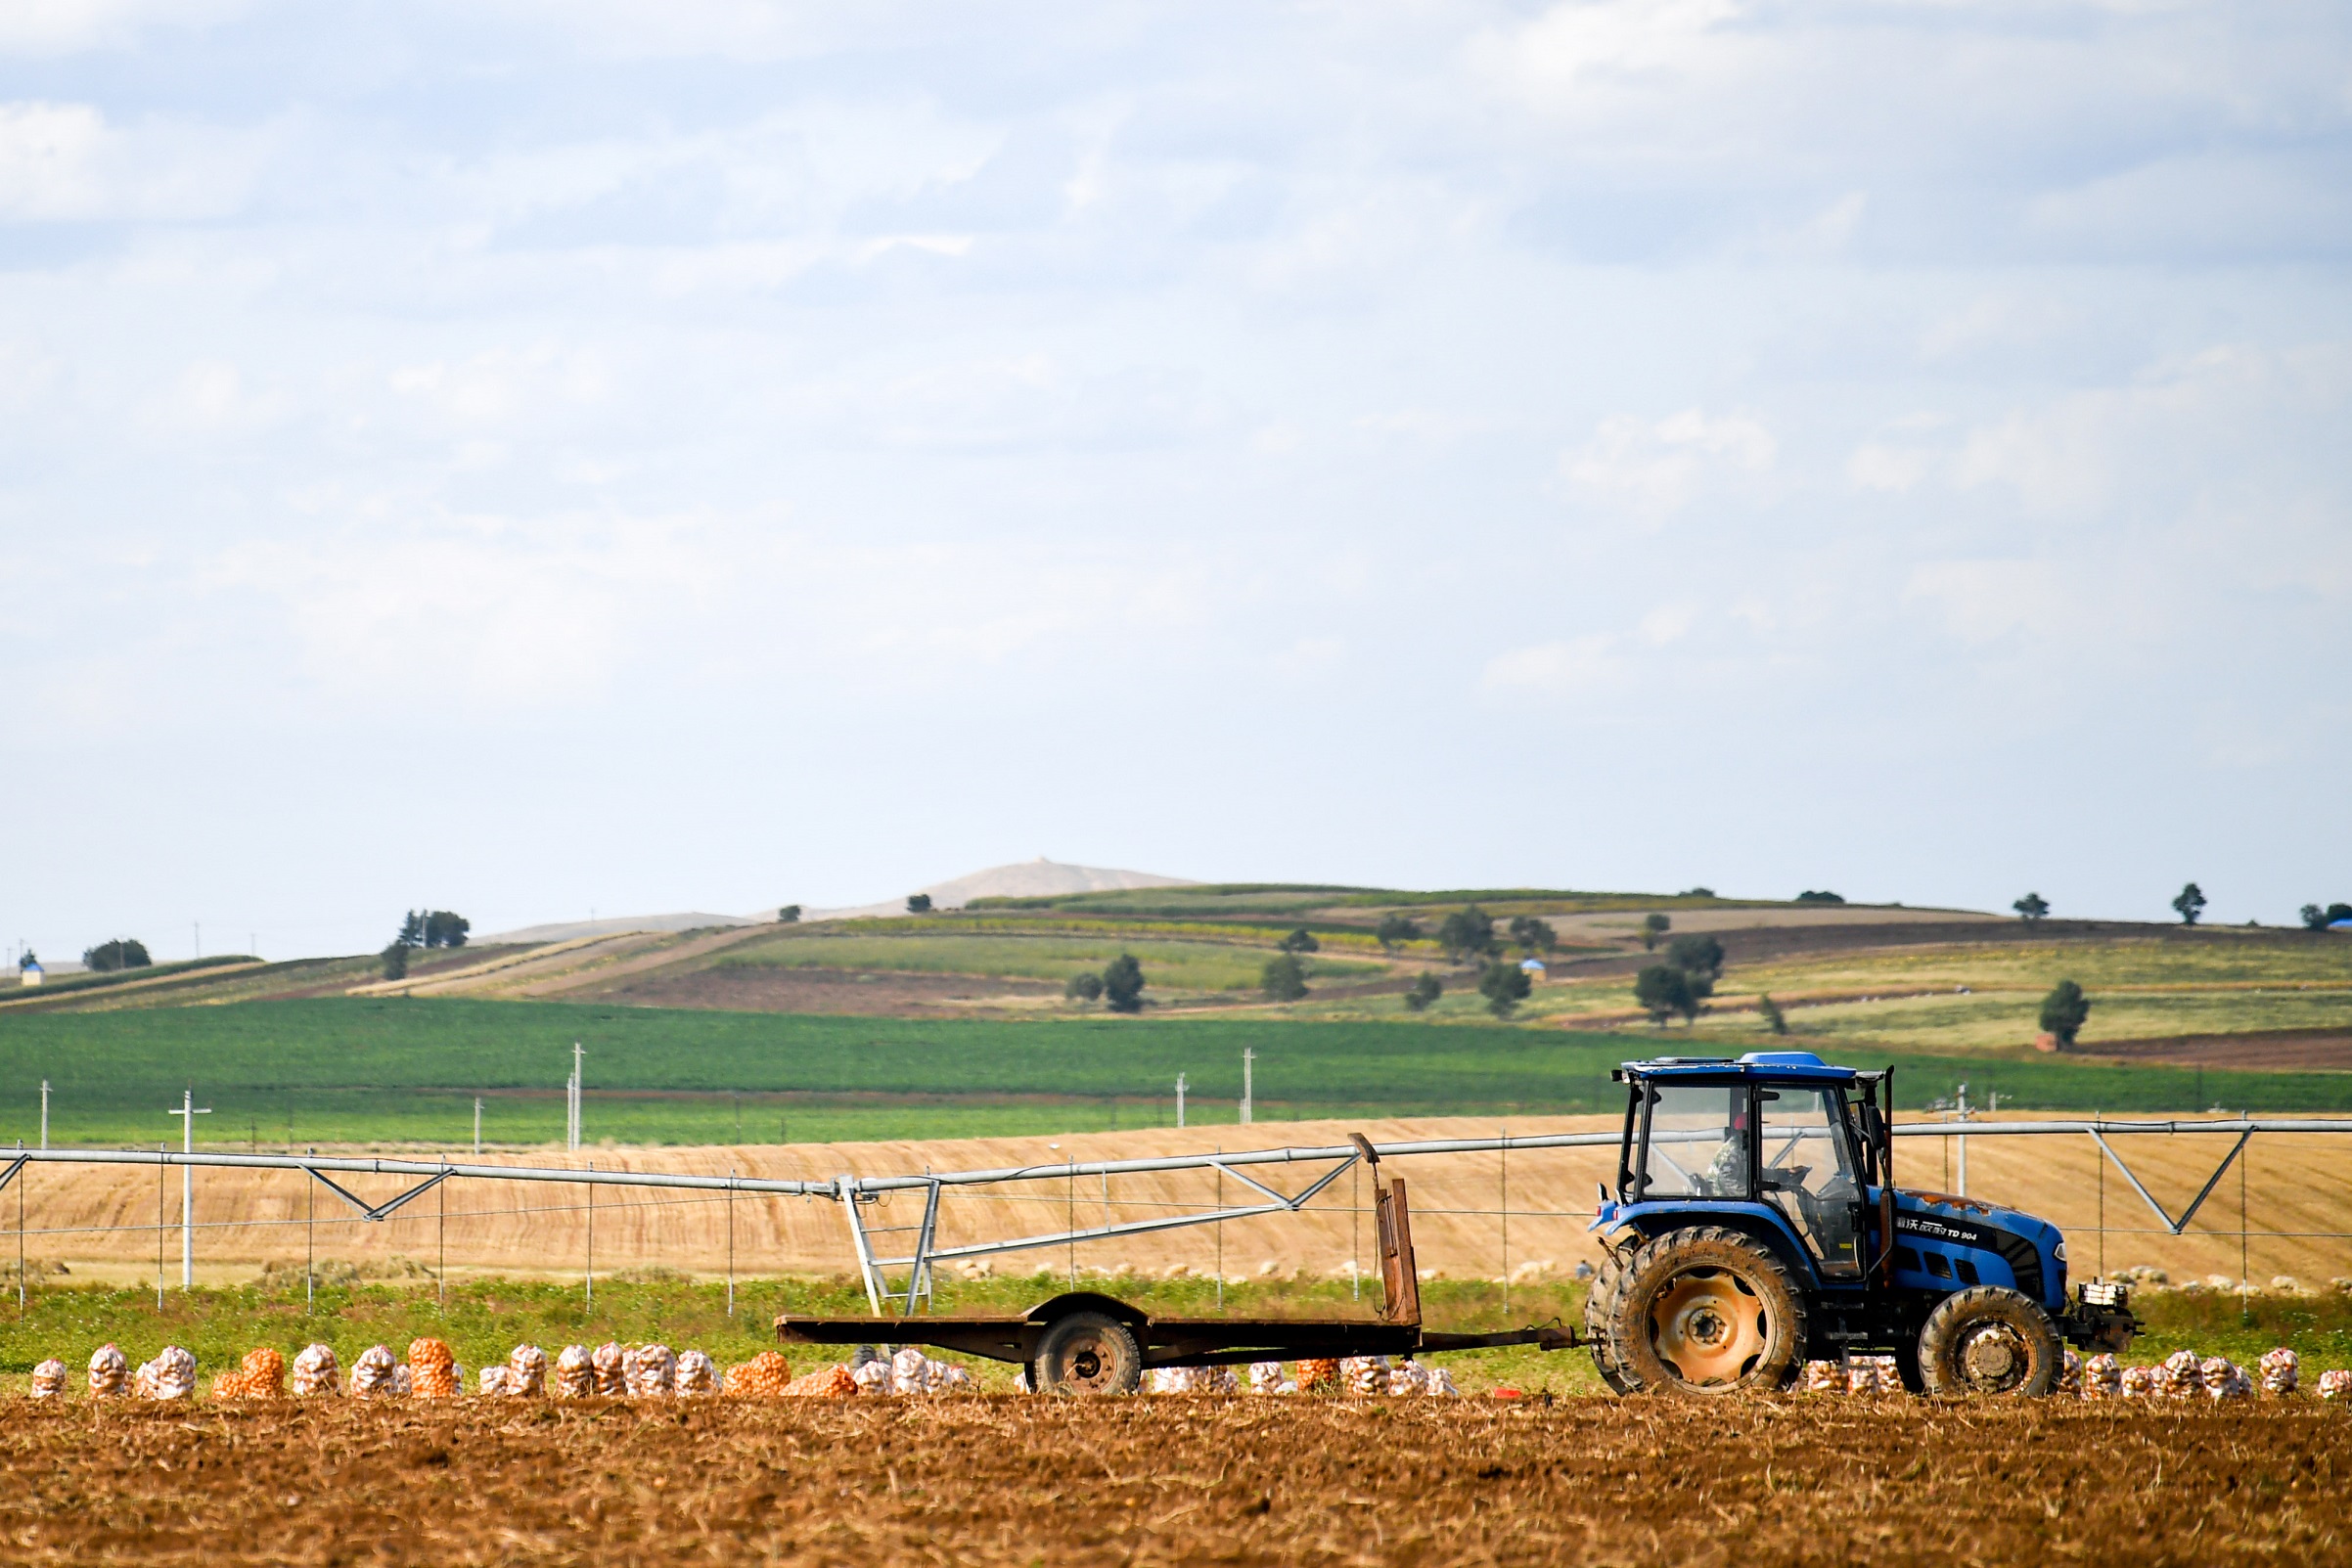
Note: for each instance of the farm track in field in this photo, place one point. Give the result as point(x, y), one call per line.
point(1182, 1479)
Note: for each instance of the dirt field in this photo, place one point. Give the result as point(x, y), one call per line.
point(2300, 1186)
point(2277, 1050)
point(1176, 1479)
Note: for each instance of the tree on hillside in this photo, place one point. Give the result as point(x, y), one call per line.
point(2189, 904)
point(2064, 1011)
point(1301, 940)
point(1123, 984)
point(1504, 985)
point(1467, 933)
point(2316, 919)
point(1087, 987)
point(2031, 908)
point(1662, 990)
point(395, 961)
point(1397, 929)
point(27, 961)
point(919, 903)
point(1653, 926)
point(1824, 896)
point(1533, 935)
point(122, 953)
point(1285, 978)
point(1697, 955)
point(412, 929)
point(789, 915)
point(1426, 990)
point(1696, 892)
point(444, 929)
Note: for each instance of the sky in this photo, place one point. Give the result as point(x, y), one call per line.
point(538, 459)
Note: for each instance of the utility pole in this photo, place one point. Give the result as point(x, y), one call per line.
point(188, 1112)
point(477, 1127)
point(44, 1113)
point(1248, 1057)
point(1180, 1099)
point(578, 1080)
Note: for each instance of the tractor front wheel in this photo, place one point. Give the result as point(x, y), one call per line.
point(1989, 1340)
point(1700, 1312)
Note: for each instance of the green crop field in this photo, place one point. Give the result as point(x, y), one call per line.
point(403, 1069)
point(1169, 966)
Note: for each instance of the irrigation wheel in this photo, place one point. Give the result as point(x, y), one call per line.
point(1087, 1353)
point(1989, 1340)
point(1703, 1312)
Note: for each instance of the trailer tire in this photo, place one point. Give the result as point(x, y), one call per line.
point(1702, 1313)
point(1087, 1353)
point(1989, 1340)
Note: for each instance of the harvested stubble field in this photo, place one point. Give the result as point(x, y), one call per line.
point(996, 1479)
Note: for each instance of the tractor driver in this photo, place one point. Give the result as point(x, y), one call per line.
point(1727, 1176)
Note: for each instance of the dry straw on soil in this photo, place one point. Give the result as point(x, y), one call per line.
point(2300, 1184)
point(1003, 1480)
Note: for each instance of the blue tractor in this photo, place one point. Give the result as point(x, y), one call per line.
point(1756, 1225)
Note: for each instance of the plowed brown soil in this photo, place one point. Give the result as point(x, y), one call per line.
point(1006, 1480)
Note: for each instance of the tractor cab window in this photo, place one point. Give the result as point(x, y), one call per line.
point(1696, 1143)
point(1807, 1170)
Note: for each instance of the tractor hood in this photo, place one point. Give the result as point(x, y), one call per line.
point(2034, 1250)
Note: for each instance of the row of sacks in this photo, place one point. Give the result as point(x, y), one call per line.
point(1356, 1375)
point(2183, 1374)
point(431, 1371)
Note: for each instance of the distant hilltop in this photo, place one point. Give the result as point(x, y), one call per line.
point(1033, 879)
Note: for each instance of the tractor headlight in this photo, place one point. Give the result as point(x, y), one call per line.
point(2060, 1250)
point(2104, 1293)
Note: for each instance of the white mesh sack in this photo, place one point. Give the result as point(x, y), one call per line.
point(912, 1372)
point(109, 1373)
point(49, 1379)
point(2103, 1378)
point(315, 1371)
point(2282, 1372)
point(404, 1380)
point(372, 1374)
point(1215, 1381)
point(2181, 1375)
point(2070, 1372)
point(1364, 1375)
point(496, 1381)
point(2224, 1378)
point(2139, 1382)
point(1265, 1377)
point(527, 1365)
point(696, 1373)
point(1823, 1377)
point(611, 1364)
point(873, 1377)
point(171, 1376)
point(2335, 1383)
point(1171, 1380)
point(575, 1374)
point(649, 1372)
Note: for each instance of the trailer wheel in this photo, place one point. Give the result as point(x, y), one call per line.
point(1989, 1340)
point(1703, 1311)
point(1088, 1353)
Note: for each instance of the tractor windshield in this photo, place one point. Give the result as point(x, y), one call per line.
point(1696, 1142)
point(1808, 1172)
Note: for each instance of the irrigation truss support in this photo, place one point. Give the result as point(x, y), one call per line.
point(1260, 1196)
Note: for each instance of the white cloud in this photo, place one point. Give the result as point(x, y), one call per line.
point(1984, 600)
point(64, 162)
point(1658, 467)
point(1577, 667)
point(66, 27)
point(1888, 468)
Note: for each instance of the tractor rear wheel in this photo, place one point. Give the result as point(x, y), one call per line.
point(1702, 1311)
point(1989, 1340)
point(1087, 1353)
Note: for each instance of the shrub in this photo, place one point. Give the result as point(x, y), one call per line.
point(1824, 896)
point(1697, 955)
point(2189, 904)
point(1087, 987)
point(919, 903)
point(1123, 984)
point(1396, 929)
point(1653, 926)
point(1533, 935)
point(1774, 1018)
point(1285, 978)
point(1662, 990)
point(2064, 1011)
point(395, 961)
point(2031, 908)
point(1426, 990)
point(1301, 940)
point(789, 915)
point(1504, 985)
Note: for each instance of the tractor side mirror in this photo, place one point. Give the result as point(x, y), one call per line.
point(1873, 1125)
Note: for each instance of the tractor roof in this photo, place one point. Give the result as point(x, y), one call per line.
point(1777, 1064)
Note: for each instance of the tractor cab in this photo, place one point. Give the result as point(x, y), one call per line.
point(1756, 1224)
point(1777, 1141)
